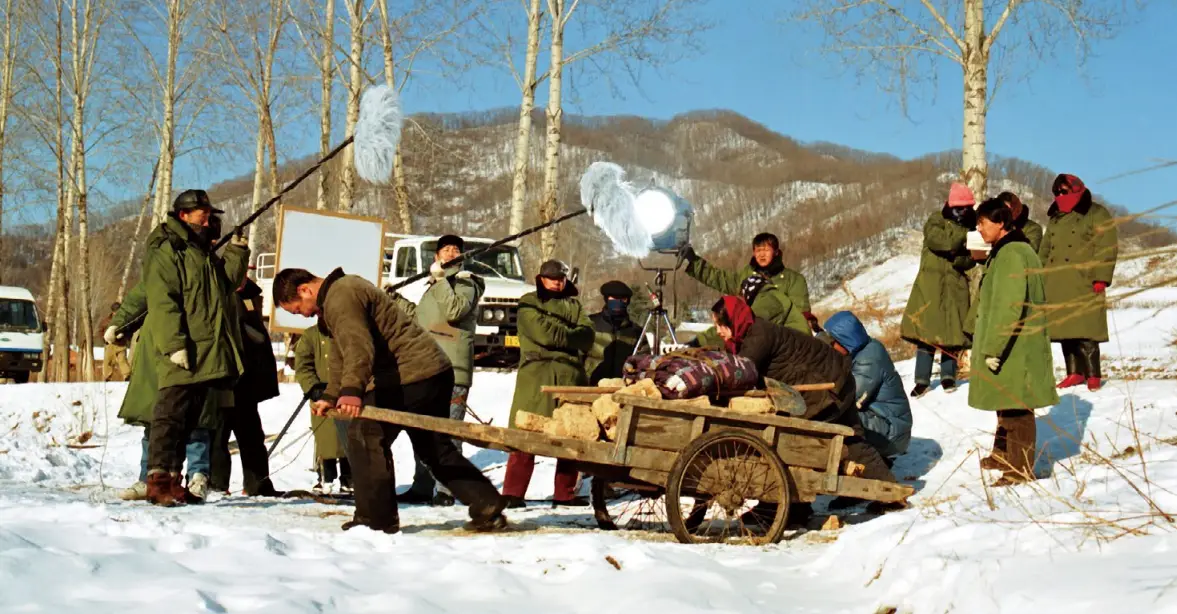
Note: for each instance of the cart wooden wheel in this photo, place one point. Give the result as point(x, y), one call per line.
point(739, 486)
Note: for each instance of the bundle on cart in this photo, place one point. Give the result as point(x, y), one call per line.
point(693, 372)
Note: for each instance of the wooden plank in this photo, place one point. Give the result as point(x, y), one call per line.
point(794, 424)
point(698, 427)
point(612, 389)
point(811, 483)
point(624, 434)
point(497, 437)
point(833, 461)
point(660, 430)
point(576, 397)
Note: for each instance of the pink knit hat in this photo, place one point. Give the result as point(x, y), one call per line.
point(959, 195)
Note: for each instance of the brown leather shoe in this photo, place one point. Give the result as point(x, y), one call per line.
point(161, 489)
point(994, 461)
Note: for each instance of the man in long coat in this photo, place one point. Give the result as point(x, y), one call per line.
point(311, 359)
point(615, 334)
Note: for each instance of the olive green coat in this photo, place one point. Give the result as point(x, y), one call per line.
point(555, 334)
point(192, 306)
point(1011, 326)
point(1079, 249)
point(939, 300)
point(790, 282)
point(1033, 232)
point(613, 342)
point(143, 388)
point(449, 312)
point(311, 355)
point(770, 304)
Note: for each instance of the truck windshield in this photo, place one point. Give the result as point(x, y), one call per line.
point(17, 315)
point(502, 261)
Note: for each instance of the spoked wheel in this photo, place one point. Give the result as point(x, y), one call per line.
point(632, 510)
point(735, 488)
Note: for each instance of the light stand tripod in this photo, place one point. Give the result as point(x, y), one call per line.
point(657, 316)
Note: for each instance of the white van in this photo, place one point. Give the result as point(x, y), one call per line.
point(21, 335)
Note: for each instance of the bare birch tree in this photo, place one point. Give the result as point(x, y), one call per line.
point(527, 85)
point(326, 83)
point(12, 25)
point(905, 43)
point(357, 19)
point(144, 213)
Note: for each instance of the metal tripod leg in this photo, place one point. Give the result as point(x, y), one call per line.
point(659, 317)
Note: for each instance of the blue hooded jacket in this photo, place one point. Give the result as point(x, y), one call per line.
point(882, 402)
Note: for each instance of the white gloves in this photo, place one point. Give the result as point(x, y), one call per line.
point(108, 336)
point(436, 272)
point(239, 239)
point(994, 363)
point(180, 359)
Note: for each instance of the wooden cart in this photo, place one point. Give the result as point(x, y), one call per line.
point(718, 461)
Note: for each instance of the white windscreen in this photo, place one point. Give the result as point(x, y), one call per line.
point(320, 242)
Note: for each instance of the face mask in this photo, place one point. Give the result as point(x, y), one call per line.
point(201, 232)
point(616, 306)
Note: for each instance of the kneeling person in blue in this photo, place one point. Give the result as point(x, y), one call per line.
point(882, 404)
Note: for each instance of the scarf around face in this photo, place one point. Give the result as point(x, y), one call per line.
point(740, 315)
point(1074, 192)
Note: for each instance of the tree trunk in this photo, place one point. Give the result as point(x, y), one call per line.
point(326, 71)
point(61, 349)
point(259, 170)
point(549, 205)
point(147, 200)
point(347, 187)
point(523, 135)
point(975, 167)
point(167, 147)
point(81, 52)
point(5, 100)
point(400, 192)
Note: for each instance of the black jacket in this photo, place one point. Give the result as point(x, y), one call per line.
point(792, 358)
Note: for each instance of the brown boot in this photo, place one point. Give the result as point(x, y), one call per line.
point(161, 489)
point(1021, 432)
point(997, 459)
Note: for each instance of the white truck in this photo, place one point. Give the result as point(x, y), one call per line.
point(21, 335)
point(496, 341)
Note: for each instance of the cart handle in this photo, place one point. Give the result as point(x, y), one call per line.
point(612, 389)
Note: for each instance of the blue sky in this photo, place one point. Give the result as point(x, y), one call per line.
point(1113, 115)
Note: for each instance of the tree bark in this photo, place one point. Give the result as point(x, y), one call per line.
point(259, 170)
point(5, 101)
point(555, 113)
point(400, 192)
point(326, 72)
point(147, 200)
point(347, 187)
point(974, 165)
point(61, 349)
point(523, 135)
point(167, 148)
point(82, 49)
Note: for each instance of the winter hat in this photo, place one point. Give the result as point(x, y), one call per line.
point(448, 240)
point(616, 288)
point(553, 269)
point(1014, 203)
point(845, 328)
point(1068, 190)
point(752, 286)
point(959, 195)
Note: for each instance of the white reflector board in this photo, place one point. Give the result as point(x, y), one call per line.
point(320, 242)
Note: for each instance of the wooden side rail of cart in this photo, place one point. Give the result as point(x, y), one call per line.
point(713, 456)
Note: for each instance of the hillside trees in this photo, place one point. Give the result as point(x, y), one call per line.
point(904, 45)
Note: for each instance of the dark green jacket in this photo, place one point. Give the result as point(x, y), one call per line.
point(449, 312)
point(1033, 232)
point(1011, 326)
point(143, 388)
point(939, 301)
point(191, 306)
point(790, 282)
point(770, 304)
point(555, 334)
point(311, 359)
point(613, 342)
point(1079, 249)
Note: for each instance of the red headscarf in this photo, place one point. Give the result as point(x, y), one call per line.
point(1075, 189)
point(740, 315)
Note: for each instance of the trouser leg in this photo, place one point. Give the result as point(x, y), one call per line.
point(1070, 356)
point(143, 456)
point(457, 412)
point(923, 363)
point(328, 470)
point(520, 466)
point(177, 410)
point(948, 364)
point(1088, 352)
point(199, 452)
point(566, 476)
point(1021, 432)
point(251, 446)
point(222, 461)
point(369, 451)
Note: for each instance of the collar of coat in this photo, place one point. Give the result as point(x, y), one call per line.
point(1082, 208)
point(544, 294)
point(322, 297)
point(775, 267)
point(602, 323)
point(1014, 236)
point(177, 232)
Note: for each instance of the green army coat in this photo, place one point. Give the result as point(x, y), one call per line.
point(192, 306)
point(939, 301)
point(449, 312)
point(1033, 232)
point(1011, 326)
point(555, 334)
point(613, 342)
point(143, 388)
point(1079, 249)
point(770, 304)
point(311, 356)
point(790, 282)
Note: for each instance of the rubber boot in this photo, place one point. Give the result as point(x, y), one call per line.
point(1021, 432)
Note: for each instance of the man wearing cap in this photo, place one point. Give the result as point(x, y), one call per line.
point(193, 320)
point(448, 311)
point(555, 334)
point(616, 334)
